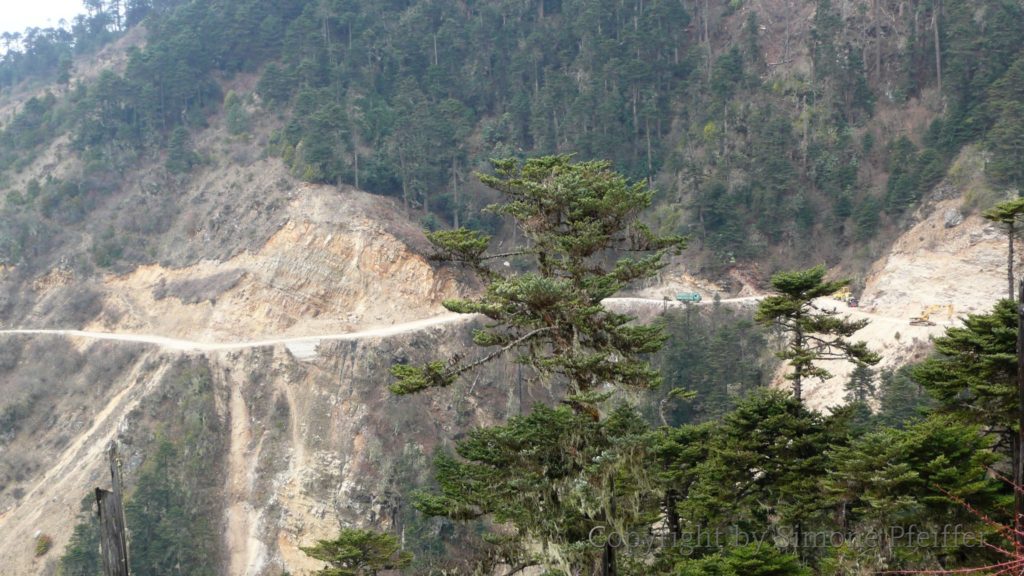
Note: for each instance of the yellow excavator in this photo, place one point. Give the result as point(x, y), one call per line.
point(924, 319)
point(843, 295)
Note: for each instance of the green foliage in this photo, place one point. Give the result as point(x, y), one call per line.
point(82, 555)
point(861, 385)
point(1007, 213)
point(1006, 138)
point(911, 174)
point(931, 475)
point(158, 512)
point(750, 560)
point(866, 218)
point(901, 399)
point(180, 155)
point(317, 138)
point(460, 245)
point(974, 373)
point(235, 116)
point(43, 53)
point(358, 553)
point(275, 86)
point(43, 544)
point(973, 62)
point(413, 379)
point(427, 70)
point(773, 473)
point(720, 356)
point(556, 475)
point(727, 74)
point(813, 333)
point(406, 98)
point(173, 509)
point(36, 123)
point(760, 470)
point(572, 214)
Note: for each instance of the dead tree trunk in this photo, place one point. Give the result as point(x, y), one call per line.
point(113, 537)
point(707, 38)
point(1009, 258)
point(609, 565)
point(1018, 455)
point(936, 10)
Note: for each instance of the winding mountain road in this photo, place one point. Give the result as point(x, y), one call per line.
point(300, 346)
point(304, 347)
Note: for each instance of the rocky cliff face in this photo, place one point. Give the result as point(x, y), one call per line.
point(340, 260)
point(308, 445)
point(304, 443)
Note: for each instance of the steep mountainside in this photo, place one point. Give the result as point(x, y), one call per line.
point(948, 263)
point(779, 132)
point(291, 449)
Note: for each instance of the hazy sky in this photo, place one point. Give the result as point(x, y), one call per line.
point(17, 15)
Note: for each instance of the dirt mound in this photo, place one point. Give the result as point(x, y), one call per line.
point(951, 262)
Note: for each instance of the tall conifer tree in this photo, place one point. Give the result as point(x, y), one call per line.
point(556, 474)
point(814, 333)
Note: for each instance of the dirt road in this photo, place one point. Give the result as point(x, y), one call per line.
point(304, 347)
point(300, 346)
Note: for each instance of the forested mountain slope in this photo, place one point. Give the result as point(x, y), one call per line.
point(778, 132)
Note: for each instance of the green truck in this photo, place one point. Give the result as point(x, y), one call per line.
point(688, 297)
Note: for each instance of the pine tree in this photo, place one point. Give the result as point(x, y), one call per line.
point(358, 553)
point(919, 477)
point(861, 386)
point(974, 376)
point(974, 372)
point(558, 477)
point(546, 474)
point(901, 399)
point(814, 333)
point(180, 155)
point(760, 470)
point(573, 215)
point(82, 555)
point(235, 116)
point(1007, 214)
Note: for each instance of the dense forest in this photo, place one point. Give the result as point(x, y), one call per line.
point(407, 99)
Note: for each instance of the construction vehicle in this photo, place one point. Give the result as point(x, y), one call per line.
point(846, 295)
point(693, 297)
point(924, 318)
point(843, 295)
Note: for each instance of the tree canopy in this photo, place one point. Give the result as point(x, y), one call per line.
point(574, 216)
point(359, 553)
point(814, 333)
